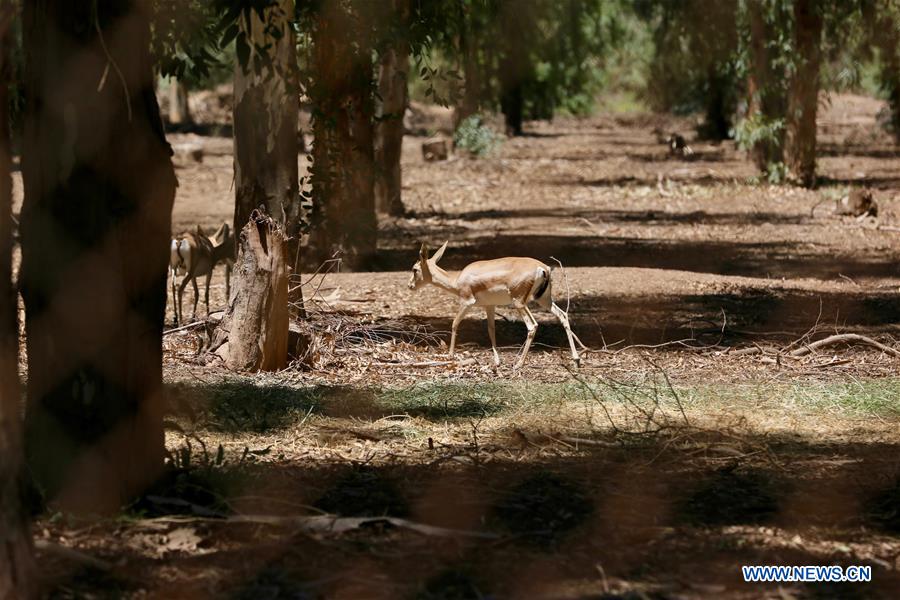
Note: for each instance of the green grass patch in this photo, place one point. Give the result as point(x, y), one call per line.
point(852, 398)
point(243, 406)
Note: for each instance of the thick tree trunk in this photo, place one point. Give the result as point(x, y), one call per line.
point(179, 111)
point(95, 231)
point(256, 322)
point(343, 173)
point(16, 563)
point(266, 108)
point(803, 100)
point(392, 87)
point(764, 99)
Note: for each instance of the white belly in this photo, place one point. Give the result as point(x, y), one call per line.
point(495, 297)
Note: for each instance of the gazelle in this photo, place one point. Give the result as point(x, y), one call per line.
point(515, 281)
point(193, 254)
point(224, 237)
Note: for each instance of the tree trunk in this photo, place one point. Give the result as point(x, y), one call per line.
point(512, 104)
point(343, 172)
point(266, 108)
point(392, 87)
point(891, 82)
point(718, 113)
point(16, 563)
point(256, 322)
point(179, 111)
point(95, 231)
point(513, 66)
point(765, 98)
point(471, 97)
point(803, 99)
point(886, 35)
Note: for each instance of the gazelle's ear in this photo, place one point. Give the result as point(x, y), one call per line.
point(423, 252)
point(437, 255)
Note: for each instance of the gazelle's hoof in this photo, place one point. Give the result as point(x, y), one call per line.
point(578, 363)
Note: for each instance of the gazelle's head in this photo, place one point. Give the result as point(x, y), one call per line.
point(222, 235)
point(421, 270)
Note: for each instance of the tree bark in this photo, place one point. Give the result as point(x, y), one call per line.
point(256, 322)
point(95, 231)
point(392, 87)
point(16, 562)
point(343, 172)
point(764, 98)
point(179, 111)
point(471, 97)
point(803, 97)
point(266, 109)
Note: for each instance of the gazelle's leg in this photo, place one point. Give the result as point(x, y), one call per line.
point(531, 324)
point(227, 283)
point(181, 286)
point(564, 321)
point(459, 316)
point(206, 292)
point(174, 298)
point(490, 319)
point(196, 298)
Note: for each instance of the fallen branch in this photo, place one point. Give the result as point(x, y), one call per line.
point(577, 441)
point(429, 363)
point(331, 524)
point(844, 338)
point(183, 327)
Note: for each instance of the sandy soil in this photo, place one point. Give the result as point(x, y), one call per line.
point(657, 248)
point(673, 267)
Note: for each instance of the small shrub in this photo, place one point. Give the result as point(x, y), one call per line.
point(475, 137)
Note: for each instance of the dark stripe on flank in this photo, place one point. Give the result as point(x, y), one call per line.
point(544, 285)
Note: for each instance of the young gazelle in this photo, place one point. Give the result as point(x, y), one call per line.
point(193, 254)
point(515, 281)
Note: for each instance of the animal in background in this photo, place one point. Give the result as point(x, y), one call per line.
point(192, 255)
point(678, 146)
point(515, 281)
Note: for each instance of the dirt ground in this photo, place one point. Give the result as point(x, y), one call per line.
point(689, 442)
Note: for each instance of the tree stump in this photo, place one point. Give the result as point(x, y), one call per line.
point(253, 335)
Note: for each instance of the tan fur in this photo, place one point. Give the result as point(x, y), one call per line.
point(511, 281)
point(192, 255)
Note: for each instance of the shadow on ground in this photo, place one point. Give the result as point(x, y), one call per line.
point(727, 319)
point(753, 259)
point(661, 519)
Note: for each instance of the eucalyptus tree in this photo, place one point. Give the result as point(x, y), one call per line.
point(529, 58)
point(693, 64)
